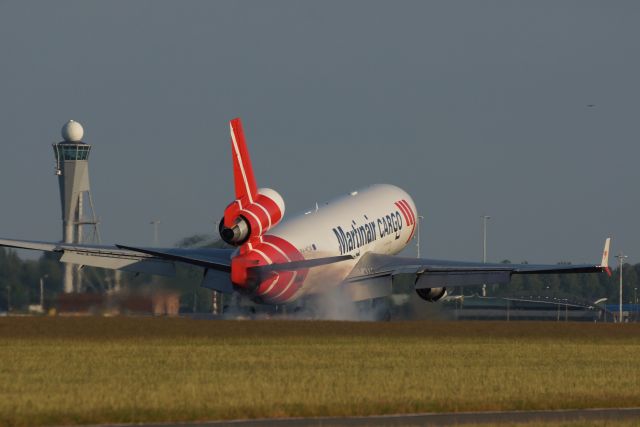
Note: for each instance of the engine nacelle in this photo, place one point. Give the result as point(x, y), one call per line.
point(244, 219)
point(432, 294)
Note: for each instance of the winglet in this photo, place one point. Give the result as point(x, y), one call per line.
point(245, 182)
point(605, 256)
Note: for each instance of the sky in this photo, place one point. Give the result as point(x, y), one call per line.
point(525, 111)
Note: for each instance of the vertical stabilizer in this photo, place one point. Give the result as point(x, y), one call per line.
point(245, 182)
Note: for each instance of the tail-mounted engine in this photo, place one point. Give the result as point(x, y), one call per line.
point(244, 219)
point(254, 211)
point(265, 266)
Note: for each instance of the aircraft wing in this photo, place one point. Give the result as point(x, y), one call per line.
point(373, 275)
point(160, 261)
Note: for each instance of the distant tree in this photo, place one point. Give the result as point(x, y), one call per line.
point(629, 281)
point(197, 240)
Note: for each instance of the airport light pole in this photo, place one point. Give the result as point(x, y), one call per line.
point(420, 218)
point(485, 218)
point(155, 223)
point(42, 291)
point(621, 259)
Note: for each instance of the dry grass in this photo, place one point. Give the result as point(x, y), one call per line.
point(583, 423)
point(91, 370)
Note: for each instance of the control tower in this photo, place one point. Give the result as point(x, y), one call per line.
point(72, 169)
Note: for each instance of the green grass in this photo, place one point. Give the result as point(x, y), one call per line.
point(93, 370)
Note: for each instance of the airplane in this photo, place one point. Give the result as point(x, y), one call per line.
point(349, 243)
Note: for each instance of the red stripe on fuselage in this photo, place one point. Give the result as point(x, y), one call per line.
point(268, 287)
point(412, 215)
point(284, 284)
point(404, 213)
point(407, 214)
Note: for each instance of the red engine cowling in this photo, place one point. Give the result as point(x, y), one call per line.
point(244, 219)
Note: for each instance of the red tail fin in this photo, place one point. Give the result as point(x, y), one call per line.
point(245, 182)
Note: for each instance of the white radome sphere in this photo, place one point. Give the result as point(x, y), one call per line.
point(72, 131)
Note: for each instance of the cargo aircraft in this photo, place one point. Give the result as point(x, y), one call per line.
point(349, 243)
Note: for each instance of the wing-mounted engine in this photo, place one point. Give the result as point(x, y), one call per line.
point(431, 294)
point(244, 219)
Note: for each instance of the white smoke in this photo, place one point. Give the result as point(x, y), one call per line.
point(327, 301)
point(336, 305)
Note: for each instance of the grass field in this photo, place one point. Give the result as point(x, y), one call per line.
point(93, 370)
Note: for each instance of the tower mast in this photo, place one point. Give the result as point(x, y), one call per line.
point(72, 169)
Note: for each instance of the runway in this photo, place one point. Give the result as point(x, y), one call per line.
point(441, 419)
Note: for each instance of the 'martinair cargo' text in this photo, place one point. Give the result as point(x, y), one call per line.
point(360, 235)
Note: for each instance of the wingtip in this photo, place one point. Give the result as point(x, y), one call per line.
point(605, 254)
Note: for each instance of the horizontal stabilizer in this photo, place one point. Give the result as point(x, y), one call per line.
point(217, 280)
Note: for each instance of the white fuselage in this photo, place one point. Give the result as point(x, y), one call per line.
point(380, 218)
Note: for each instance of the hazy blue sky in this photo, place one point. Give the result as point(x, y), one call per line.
point(471, 106)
